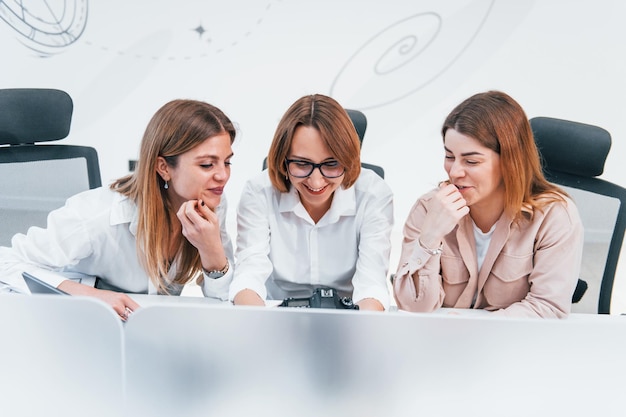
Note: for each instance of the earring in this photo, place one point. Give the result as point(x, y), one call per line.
point(166, 186)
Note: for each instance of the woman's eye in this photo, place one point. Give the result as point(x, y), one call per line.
point(331, 164)
point(206, 165)
point(302, 164)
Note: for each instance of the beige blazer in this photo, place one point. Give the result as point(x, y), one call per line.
point(531, 268)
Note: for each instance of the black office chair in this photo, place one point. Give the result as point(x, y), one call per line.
point(360, 125)
point(573, 156)
point(38, 178)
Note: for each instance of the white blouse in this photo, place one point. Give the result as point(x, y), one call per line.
point(282, 252)
point(93, 234)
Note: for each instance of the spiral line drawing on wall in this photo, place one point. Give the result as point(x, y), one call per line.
point(409, 54)
point(44, 26)
point(50, 27)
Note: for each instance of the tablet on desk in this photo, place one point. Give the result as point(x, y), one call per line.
point(37, 286)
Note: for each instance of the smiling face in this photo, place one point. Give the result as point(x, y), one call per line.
point(200, 173)
point(316, 191)
point(475, 170)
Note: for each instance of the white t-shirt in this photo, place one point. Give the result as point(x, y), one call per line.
point(482, 242)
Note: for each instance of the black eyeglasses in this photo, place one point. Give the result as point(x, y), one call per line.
point(302, 169)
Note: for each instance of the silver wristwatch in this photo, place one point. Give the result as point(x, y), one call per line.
point(217, 273)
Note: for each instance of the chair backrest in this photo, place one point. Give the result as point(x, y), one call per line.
point(360, 124)
point(38, 178)
point(573, 156)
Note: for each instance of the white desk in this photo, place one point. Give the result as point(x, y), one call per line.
point(146, 300)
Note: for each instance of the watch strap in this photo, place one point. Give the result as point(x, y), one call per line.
point(217, 273)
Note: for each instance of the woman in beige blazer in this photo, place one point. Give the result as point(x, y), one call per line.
point(496, 235)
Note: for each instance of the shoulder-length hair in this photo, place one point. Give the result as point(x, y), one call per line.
point(175, 128)
point(499, 123)
point(335, 127)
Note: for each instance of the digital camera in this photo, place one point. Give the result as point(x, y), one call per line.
point(321, 298)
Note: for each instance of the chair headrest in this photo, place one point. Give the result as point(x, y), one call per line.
point(571, 147)
point(32, 115)
point(359, 121)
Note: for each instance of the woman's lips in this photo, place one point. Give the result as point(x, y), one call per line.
point(316, 191)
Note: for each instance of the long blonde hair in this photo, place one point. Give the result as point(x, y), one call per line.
point(175, 128)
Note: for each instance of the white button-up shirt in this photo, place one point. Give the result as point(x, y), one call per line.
point(94, 234)
point(282, 252)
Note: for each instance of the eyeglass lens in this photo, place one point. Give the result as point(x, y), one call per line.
point(302, 169)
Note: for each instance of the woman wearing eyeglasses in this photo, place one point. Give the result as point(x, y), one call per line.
point(314, 218)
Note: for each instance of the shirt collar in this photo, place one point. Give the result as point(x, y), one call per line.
point(343, 204)
point(124, 210)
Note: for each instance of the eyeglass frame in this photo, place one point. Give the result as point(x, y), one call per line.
point(313, 166)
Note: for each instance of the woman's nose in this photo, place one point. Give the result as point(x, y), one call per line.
point(456, 170)
point(316, 177)
point(221, 172)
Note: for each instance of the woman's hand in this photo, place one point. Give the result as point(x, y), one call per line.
point(123, 305)
point(370, 304)
point(248, 297)
point(445, 210)
point(201, 227)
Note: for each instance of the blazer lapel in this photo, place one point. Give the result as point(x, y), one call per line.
point(467, 248)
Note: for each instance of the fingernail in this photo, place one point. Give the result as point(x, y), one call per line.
point(201, 203)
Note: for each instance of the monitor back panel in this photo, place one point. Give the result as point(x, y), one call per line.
point(230, 361)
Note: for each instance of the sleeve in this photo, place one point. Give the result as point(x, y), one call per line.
point(218, 288)
point(253, 265)
point(45, 252)
point(370, 278)
point(417, 285)
point(557, 261)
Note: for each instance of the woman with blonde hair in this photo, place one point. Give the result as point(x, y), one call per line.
point(152, 231)
point(314, 218)
point(496, 235)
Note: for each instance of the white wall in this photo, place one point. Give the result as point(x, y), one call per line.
point(122, 60)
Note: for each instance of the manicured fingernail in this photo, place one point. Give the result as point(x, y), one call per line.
point(201, 203)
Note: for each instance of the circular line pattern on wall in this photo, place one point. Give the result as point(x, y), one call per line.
point(46, 27)
point(407, 55)
point(50, 27)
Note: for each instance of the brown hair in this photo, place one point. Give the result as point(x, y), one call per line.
point(335, 127)
point(499, 123)
point(175, 128)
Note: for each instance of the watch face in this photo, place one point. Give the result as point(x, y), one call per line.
point(215, 274)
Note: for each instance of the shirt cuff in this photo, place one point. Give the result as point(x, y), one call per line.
point(416, 261)
point(217, 287)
